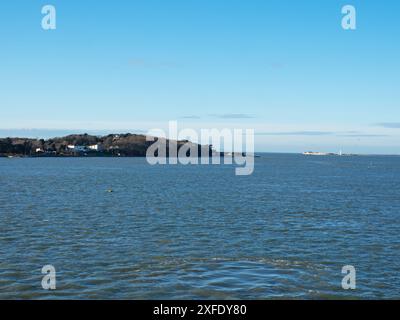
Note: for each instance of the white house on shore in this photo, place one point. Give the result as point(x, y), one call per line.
point(74, 148)
point(96, 147)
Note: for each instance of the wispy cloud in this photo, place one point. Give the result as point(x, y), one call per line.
point(296, 133)
point(221, 116)
point(232, 116)
point(391, 125)
point(346, 134)
point(363, 135)
point(191, 117)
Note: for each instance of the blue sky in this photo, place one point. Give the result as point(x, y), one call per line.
point(283, 67)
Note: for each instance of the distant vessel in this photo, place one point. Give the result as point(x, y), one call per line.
point(312, 153)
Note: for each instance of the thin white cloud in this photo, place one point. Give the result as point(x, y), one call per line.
point(296, 133)
point(390, 125)
point(232, 116)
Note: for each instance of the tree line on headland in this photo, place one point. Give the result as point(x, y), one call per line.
point(122, 145)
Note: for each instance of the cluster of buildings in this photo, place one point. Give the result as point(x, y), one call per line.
point(77, 148)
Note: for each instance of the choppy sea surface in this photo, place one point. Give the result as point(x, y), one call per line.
point(189, 232)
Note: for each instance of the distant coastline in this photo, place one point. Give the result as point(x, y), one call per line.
point(85, 145)
point(340, 154)
point(112, 145)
